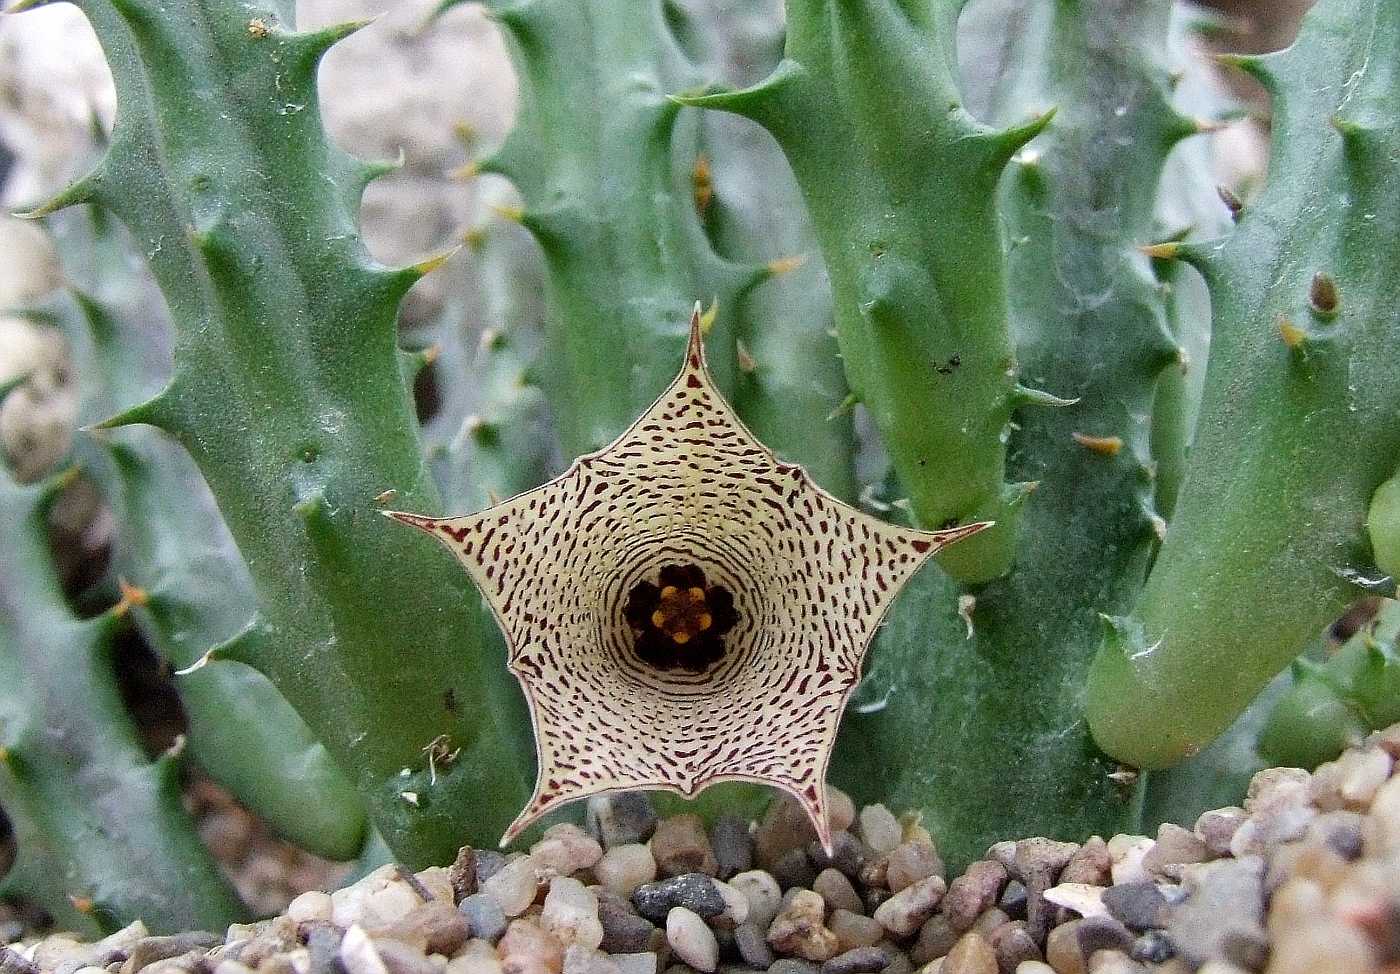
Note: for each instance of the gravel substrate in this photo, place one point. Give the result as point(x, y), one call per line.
point(1305, 878)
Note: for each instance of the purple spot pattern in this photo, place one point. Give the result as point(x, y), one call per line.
point(686, 484)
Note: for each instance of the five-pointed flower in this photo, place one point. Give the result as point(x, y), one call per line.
point(684, 608)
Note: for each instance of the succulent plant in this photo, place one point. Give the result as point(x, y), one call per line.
point(1027, 275)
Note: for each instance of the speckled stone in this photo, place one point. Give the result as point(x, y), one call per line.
point(972, 892)
point(753, 947)
point(624, 932)
point(435, 928)
point(694, 891)
point(793, 965)
point(936, 938)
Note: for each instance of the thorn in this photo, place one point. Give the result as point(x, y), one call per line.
point(199, 664)
point(176, 748)
point(1106, 445)
point(746, 362)
point(385, 497)
point(1161, 251)
point(784, 264)
point(133, 597)
point(1231, 200)
point(966, 605)
point(1183, 358)
point(410, 796)
point(701, 186)
point(847, 404)
point(707, 317)
point(257, 27)
point(426, 267)
point(1292, 335)
point(467, 170)
point(512, 213)
point(493, 496)
point(1159, 526)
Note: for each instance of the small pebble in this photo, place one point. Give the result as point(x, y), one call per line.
point(1013, 945)
point(565, 849)
point(904, 912)
point(529, 949)
point(1153, 947)
point(1217, 827)
point(434, 928)
point(784, 827)
point(1140, 906)
point(909, 862)
point(571, 913)
point(732, 845)
point(694, 891)
point(309, 906)
point(846, 855)
point(514, 886)
point(1062, 948)
point(854, 930)
point(1125, 854)
point(858, 960)
point(753, 946)
point(358, 954)
point(798, 928)
point(621, 819)
point(681, 846)
point(488, 863)
point(625, 867)
point(880, 831)
point(793, 965)
point(972, 892)
point(692, 940)
point(579, 959)
point(794, 869)
point(970, 955)
point(736, 906)
point(484, 916)
point(624, 932)
point(763, 894)
point(642, 962)
point(833, 886)
point(475, 957)
point(1174, 847)
point(936, 938)
point(377, 900)
point(1091, 864)
point(1081, 898)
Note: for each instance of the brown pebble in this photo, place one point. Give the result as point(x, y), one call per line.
point(798, 928)
point(936, 938)
point(904, 912)
point(1175, 846)
point(837, 890)
point(1090, 865)
point(462, 873)
point(435, 928)
point(970, 955)
point(1013, 944)
point(910, 862)
point(681, 846)
point(784, 827)
point(528, 949)
point(1216, 827)
point(972, 892)
point(1062, 948)
point(854, 930)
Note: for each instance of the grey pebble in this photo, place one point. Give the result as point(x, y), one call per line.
point(623, 931)
point(1013, 900)
point(846, 854)
point(621, 819)
point(793, 869)
point(936, 938)
point(1248, 949)
point(793, 965)
point(488, 863)
point(1153, 947)
point(1139, 905)
point(753, 946)
point(857, 960)
point(401, 958)
point(1222, 896)
point(1103, 933)
point(733, 847)
point(484, 917)
point(832, 885)
point(323, 944)
point(148, 950)
point(13, 962)
point(694, 891)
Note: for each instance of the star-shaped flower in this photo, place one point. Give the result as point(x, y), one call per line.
point(684, 608)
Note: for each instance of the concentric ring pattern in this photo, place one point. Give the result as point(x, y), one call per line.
point(686, 485)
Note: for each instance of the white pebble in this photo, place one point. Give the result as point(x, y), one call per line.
point(566, 849)
point(1083, 898)
point(378, 900)
point(475, 957)
point(357, 953)
point(879, 829)
point(691, 939)
point(311, 905)
point(579, 959)
point(736, 903)
point(643, 963)
point(571, 913)
point(1125, 855)
point(625, 867)
point(514, 885)
point(763, 894)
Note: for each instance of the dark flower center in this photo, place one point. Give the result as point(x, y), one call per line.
point(679, 622)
